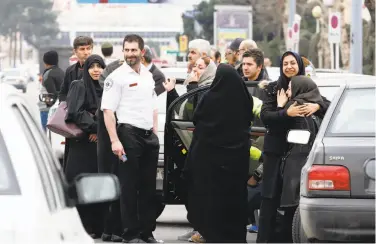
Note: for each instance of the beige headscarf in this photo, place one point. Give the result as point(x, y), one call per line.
point(206, 77)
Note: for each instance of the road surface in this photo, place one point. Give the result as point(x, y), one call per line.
point(173, 223)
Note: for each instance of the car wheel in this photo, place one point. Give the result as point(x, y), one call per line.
point(298, 235)
point(24, 90)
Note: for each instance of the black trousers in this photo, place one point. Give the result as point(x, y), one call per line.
point(137, 178)
point(274, 227)
point(108, 162)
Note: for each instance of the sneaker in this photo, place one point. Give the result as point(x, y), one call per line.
point(187, 236)
point(197, 238)
point(252, 228)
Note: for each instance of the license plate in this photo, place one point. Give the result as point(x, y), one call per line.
point(160, 173)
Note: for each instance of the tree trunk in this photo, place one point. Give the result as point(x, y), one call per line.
point(10, 48)
point(285, 20)
point(21, 45)
point(345, 42)
point(15, 49)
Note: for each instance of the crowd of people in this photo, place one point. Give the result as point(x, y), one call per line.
point(229, 174)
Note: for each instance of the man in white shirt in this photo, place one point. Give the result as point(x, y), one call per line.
point(129, 91)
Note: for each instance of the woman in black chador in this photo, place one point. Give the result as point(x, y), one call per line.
point(83, 101)
point(217, 165)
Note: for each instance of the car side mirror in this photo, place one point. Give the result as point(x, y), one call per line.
point(298, 136)
point(96, 188)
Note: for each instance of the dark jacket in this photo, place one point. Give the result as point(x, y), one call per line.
point(239, 69)
point(276, 120)
point(159, 78)
point(52, 80)
point(73, 72)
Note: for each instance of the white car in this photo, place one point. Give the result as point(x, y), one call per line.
point(37, 205)
point(16, 77)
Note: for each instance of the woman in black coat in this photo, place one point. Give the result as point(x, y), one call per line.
point(83, 102)
point(301, 90)
point(275, 117)
point(217, 165)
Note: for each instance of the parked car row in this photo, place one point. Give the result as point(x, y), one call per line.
point(37, 204)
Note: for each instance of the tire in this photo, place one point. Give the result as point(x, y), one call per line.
point(160, 206)
point(298, 235)
point(24, 90)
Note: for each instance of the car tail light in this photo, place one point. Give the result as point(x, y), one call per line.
point(328, 177)
point(62, 143)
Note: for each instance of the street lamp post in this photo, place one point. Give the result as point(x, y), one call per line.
point(316, 13)
point(356, 46)
point(292, 10)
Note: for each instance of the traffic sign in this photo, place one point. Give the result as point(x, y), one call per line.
point(289, 43)
point(183, 43)
point(334, 27)
point(296, 31)
point(173, 52)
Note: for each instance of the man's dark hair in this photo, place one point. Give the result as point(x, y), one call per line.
point(134, 38)
point(82, 41)
point(256, 54)
point(217, 55)
point(107, 49)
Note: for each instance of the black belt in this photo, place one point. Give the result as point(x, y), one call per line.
point(139, 131)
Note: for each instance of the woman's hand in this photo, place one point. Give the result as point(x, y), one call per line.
point(194, 77)
point(169, 84)
point(296, 111)
point(93, 138)
point(282, 98)
point(310, 108)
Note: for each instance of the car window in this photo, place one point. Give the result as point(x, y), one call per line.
point(12, 72)
point(52, 185)
point(8, 180)
point(355, 114)
point(53, 165)
point(328, 91)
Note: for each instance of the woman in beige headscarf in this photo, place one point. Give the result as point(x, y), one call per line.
point(202, 74)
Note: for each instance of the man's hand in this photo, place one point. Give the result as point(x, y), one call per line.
point(296, 111)
point(263, 84)
point(282, 98)
point(117, 148)
point(169, 84)
point(310, 108)
point(252, 181)
point(93, 138)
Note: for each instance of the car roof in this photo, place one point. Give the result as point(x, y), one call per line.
point(344, 79)
point(7, 90)
point(179, 73)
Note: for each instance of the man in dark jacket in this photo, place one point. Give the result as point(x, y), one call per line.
point(254, 70)
point(82, 47)
point(158, 76)
point(53, 76)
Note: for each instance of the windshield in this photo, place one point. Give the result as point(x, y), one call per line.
point(12, 72)
point(328, 91)
point(355, 115)
point(8, 180)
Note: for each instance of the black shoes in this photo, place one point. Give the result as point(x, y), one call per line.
point(112, 238)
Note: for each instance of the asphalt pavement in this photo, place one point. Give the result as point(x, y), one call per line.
point(173, 223)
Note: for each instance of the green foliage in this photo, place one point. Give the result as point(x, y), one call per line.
point(33, 18)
